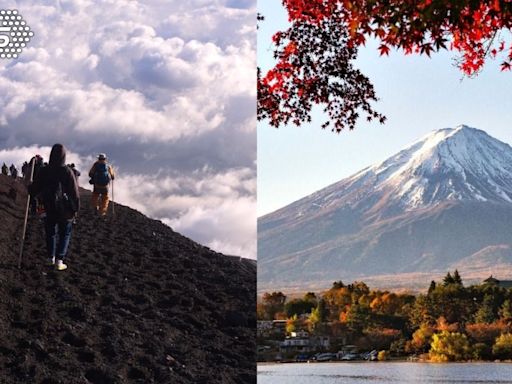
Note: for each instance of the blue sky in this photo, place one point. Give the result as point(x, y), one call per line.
point(417, 94)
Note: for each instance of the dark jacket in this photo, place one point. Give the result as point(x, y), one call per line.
point(56, 171)
point(38, 164)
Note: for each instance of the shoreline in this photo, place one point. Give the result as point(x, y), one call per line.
point(393, 361)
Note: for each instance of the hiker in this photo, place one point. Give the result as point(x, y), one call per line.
point(5, 170)
point(76, 172)
point(14, 171)
point(56, 186)
point(25, 170)
point(37, 160)
point(101, 173)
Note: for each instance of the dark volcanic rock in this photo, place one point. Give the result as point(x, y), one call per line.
point(139, 303)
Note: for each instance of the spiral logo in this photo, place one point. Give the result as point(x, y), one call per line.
point(15, 34)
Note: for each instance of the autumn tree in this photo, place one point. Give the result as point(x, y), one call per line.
point(449, 346)
point(421, 339)
point(315, 66)
point(450, 301)
point(387, 303)
point(443, 325)
point(315, 55)
point(314, 320)
point(486, 333)
point(318, 317)
point(271, 304)
point(503, 346)
point(358, 316)
point(293, 324)
point(336, 300)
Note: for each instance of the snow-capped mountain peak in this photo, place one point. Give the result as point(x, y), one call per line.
point(459, 163)
point(447, 164)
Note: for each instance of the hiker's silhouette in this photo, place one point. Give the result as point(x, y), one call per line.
point(101, 174)
point(57, 187)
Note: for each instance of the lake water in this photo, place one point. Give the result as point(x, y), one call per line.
point(385, 373)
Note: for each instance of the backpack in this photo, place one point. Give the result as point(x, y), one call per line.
point(58, 202)
point(101, 174)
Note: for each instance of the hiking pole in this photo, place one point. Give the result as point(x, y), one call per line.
point(26, 214)
point(113, 210)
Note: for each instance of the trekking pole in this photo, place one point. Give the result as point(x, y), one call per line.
point(113, 210)
point(26, 215)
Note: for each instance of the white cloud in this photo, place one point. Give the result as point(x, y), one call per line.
point(218, 210)
point(220, 222)
point(166, 88)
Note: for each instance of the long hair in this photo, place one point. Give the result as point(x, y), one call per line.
point(57, 156)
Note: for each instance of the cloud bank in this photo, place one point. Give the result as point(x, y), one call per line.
point(165, 88)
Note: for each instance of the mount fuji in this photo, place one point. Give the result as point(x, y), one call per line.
point(443, 202)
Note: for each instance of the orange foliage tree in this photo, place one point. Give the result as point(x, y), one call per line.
point(315, 54)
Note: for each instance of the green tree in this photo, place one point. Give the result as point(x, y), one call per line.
point(449, 346)
point(310, 296)
point(505, 311)
point(502, 348)
point(432, 287)
point(422, 311)
point(453, 302)
point(322, 311)
point(481, 351)
point(456, 278)
point(360, 288)
point(399, 346)
point(358, 316)
point(485, 313)
point(298, 307)
point(448, 279)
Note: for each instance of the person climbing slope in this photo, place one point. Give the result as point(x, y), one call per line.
point(24, 170)
point(76, 172)
point(5, 170)
point(57, 188)
point(37, 162)
point(14, 171)
point(101, 174)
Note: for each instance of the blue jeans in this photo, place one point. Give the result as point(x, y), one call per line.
point(58, 235)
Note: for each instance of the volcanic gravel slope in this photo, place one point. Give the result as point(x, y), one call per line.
point(139, 303)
